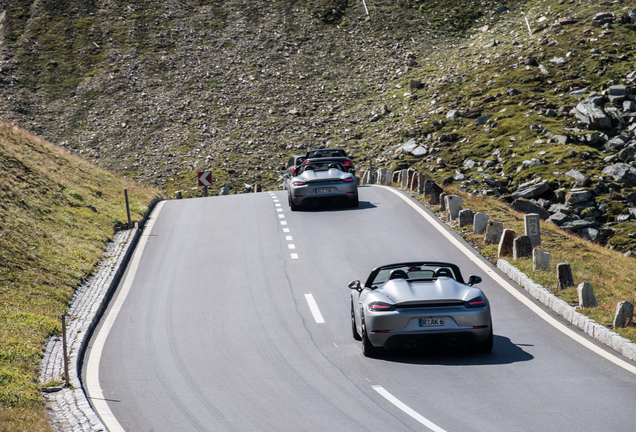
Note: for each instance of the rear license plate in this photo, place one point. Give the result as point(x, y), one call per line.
point(431, 322)
point(325, 190)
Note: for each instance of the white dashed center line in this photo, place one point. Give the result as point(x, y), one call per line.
point(288, 238)
point(294, 256)
point(313, 307)
point(291, 246)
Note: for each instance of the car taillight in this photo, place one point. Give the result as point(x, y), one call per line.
point(477, 302)
point(347, 163)
point(298, 183)
point(381, 307)
point(348, 180)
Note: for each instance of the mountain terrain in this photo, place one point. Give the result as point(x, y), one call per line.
point(516, 105)
point(157, 91)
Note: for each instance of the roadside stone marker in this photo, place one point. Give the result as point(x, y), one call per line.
point(564, 276)
point(480, 223)
point(436, 193)
point(624, 314)
point(540, 260)
point(506, 243)
point(404, 178)
point(533, 228)
point(420, 183)
point(466, 217)
point(521, 247)
point(453, 206)
point(493, 232)
point(442, 201)
point(587, 299)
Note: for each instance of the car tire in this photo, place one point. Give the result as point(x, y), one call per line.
point(292, 205)
point(486, 347)
point(367, 347)
point(354, 330)
point(354, 202)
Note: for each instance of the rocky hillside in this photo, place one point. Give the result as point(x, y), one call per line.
point(526, 100)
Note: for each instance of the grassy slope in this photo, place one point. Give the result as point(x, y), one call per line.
point(57, 211)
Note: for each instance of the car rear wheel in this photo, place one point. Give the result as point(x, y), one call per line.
point(354, 202)
point(354, 330)
point(293, 206)
point(367, 348)
point(486, 347)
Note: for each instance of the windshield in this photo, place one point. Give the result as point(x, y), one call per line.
point(323, 166)
point(423, 271)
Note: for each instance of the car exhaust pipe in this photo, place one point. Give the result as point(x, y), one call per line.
point(410, 343)
point(453, 342)
point(314, 203)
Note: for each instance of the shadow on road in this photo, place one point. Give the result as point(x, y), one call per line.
point(504, 352)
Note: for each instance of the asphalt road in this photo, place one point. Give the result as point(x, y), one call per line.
point(217, 333)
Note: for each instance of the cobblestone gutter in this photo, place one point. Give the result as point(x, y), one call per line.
point(68, 408)
point(588, 325)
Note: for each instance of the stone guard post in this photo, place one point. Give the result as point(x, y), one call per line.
point(533, 228)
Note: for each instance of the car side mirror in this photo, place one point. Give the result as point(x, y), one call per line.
point(352, 171)
point(474, 280)
point(355, 284)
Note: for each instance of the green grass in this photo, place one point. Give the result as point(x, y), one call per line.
point(50, 241)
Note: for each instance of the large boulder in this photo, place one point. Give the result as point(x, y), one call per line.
point(592, 116)
point(532, 191)
point(622, 173)
point(525, 206)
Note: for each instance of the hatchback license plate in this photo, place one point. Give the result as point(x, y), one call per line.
point(431, 322)
point(324, 190)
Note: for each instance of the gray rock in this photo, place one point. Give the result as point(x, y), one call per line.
point(592, 116)
point(580, 92)
point(587, 299)
point(624, 314)
point(577, 225)
point(419, 151)
point(480, 223)
point(617, 94)
point(559, 218)
point(577, 197)
point(452, 114)
point(627, 154)
point(482, 120)
point(615, 143)
point(493, 232)
point(550, 113)
point(532, 191)
point(526, 206)
point(506, 243)
point(622, 218)
point(580, 179)
point(631, 197)
point(603, 18)
point(560, 208)
point(622, 173)
point(466, 217)
point(629, 106)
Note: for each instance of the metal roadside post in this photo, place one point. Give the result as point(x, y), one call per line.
point(205, 180)
point(66, 378)
point(128, 209)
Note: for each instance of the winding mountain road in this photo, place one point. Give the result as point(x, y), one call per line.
point(236, 318)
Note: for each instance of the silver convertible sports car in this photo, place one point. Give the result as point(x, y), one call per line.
point(321, 181)
point(419, 305)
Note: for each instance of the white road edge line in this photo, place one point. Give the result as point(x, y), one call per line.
point(93, 388)
point(313, 307)
point(512, 290)
point(398, 403)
